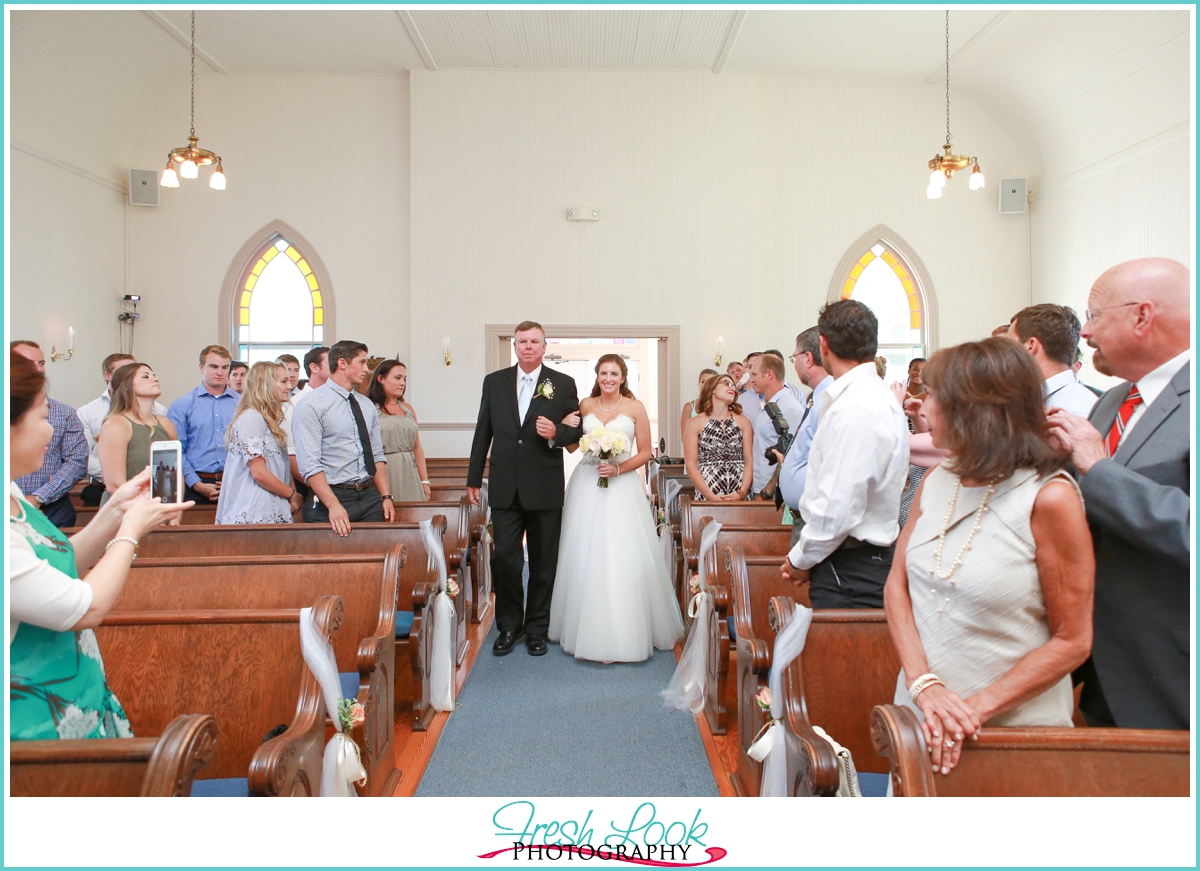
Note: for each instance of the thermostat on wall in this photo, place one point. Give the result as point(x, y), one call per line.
point(583, 213)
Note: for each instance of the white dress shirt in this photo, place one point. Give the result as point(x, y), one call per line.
point(857, 468)
point(1063, 391)
point(92, 417)
point(1152, 386)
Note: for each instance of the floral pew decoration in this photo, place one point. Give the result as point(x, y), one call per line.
point(442, 664)
point(770, 744)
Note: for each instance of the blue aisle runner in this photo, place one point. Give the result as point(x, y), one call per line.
point(555, 726)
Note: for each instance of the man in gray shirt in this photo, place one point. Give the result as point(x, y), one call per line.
point(339, 447)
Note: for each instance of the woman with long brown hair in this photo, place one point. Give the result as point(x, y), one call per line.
point(131, 425)
point(400, 433)
point(613, 600)
point(717, 443)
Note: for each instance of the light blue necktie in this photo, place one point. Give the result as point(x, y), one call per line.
point(524, 396)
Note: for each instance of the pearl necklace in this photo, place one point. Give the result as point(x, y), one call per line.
point(966, 545)
point(609, 410)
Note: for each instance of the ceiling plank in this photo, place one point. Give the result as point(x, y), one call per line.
point(940, 73)
point(731, 35)
point(414, 34)
point(185, 40)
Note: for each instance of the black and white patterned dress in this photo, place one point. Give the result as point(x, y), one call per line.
point(721, 458)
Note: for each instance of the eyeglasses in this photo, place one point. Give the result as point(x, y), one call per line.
point(1091, 313)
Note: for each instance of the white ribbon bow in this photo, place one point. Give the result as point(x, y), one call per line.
point(770, 747)
point(687, 686)
point(445, 627)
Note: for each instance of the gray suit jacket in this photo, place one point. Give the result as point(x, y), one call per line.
point(1138, 505)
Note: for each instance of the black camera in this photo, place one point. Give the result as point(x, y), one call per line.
point(786, 436)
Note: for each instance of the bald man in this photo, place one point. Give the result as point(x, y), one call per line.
point(1132, 458)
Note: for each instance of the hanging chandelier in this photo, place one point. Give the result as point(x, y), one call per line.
point(190, 157)
point(944, 166)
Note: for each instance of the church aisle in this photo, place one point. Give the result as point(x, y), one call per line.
point(556, 726)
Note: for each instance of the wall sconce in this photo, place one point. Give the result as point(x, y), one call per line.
point(720, 351)
point(72, 336)
point(446, 349)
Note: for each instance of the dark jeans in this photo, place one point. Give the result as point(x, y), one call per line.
point(514, 608)
point(851, 577)
point(60, 512)
point(190, 494)
point(92, 493)
point(363, 506)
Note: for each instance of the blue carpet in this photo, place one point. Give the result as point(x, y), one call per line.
point(557, 726)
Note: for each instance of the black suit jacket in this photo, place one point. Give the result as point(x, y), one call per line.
point(1138, 506)
point(522, 462)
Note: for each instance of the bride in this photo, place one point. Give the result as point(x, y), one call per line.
point(613, 600)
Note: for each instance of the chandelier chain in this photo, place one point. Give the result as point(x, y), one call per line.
point(194, 73)
point(948, 137)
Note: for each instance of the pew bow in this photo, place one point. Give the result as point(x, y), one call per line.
point(687, 686)
point(342, 765)
point(441, 668)
point(770, 744)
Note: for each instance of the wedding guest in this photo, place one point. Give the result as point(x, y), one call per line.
point(734, 370)
point(339, 448)
point(989, 599)
point(857, 467)
point(257, 484)
point(689, 407)
point(316, 364)
point(57, 687)
point(717, 443)
point(289, 362)
point(237, 375)
point(793, 471)
point(750, 401)
point(915, 389)
point(92, 417)
point(201, 418)
point(766, 379)
point(131, 426)
point(1050, 333)
point(1133, 460)
point(406, 471)
point(796, 392)
point(65, 463)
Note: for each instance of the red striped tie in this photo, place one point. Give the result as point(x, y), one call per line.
point(1132, 401)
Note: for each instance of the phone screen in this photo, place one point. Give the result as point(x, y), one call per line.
point(164, 475)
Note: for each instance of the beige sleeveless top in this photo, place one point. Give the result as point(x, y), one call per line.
point(976, 629)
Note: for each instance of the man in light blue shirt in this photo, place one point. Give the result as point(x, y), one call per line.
point(201, 418)
point(766, 378)
point(812, 374)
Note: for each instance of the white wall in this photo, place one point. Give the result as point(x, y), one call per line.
point(1139, 206)
point(67, 255)
point(726, 208)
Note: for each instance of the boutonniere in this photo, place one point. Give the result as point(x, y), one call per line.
point(544, 390)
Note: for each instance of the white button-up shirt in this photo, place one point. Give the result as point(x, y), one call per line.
point(1063, 391)
point(857, 468)
point(1152, 385)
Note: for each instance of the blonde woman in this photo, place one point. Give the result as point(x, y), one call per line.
point(257, 486)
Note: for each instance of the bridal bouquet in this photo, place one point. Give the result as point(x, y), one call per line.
point(603, 444)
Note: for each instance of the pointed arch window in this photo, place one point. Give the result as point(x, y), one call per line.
point(279, 308)
point(883, 280)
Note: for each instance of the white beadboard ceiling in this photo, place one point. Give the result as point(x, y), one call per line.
point(1077, 87)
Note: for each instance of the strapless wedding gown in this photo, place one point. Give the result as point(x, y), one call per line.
point(613, 600)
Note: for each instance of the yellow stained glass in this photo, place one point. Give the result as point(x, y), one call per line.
point(312, 281)
point(270, 253)
point(866, 258)
point(848, 288)
point(245, 298)
point(244, 317)
point(259, 267)
point(318, 316)
point(856, 271)
point(251, 281)
point(304, 267)
point(316, 295)
point(293, 253)
point(900, 273)
point(889, 259)
point(908, 288)
point(914, 320)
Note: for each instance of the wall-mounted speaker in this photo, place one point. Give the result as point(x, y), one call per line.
point(1013, 195)
point(143, 187)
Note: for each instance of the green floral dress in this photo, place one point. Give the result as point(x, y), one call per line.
point(58, 689)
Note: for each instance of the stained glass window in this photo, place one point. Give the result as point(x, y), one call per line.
point(280, 310)
point(880, 281)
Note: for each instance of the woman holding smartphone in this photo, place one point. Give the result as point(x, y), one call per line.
point(131, 426)
point(257, 486)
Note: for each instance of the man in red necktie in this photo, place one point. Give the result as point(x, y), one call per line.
point(1133, 460)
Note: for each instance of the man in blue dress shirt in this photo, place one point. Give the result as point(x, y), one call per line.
point(201, 418)
point(812, 374)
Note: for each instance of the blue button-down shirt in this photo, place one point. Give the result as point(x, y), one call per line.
point(765, 435)
point(326, 435)
point(200, 421)
point(795, 462)
point(66, 457)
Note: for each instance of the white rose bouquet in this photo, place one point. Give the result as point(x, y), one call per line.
point(603, 444)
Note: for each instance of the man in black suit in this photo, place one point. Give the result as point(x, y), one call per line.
point(1133, 460)
point(520, 419)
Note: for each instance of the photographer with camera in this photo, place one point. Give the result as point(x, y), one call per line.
point(766, 378)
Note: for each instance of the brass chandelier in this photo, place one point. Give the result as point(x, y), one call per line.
point(191, 156)
point(944, 166)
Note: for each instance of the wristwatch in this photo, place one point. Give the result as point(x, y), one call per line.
point(388, 497)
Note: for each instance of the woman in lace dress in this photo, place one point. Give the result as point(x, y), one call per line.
point(257, 486)
point(401, 439)
point(717, 444)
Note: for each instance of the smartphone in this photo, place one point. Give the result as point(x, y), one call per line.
point(166, 471)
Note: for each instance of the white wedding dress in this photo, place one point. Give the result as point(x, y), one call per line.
point(613, 599)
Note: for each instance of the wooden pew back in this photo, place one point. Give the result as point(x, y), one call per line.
point(197, 515)
point(1037, 761)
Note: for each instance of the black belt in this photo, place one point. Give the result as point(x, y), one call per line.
point(99, 482)
point(209, 477)
point(354, 485)
point(851, 543)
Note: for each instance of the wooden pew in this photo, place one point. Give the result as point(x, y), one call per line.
point(164, 766)
point(197, 515)
point(692, 511)
point(848, 666)
point(669, 515)
point(467, 527)
point(244, 666)
point(365, 648)
point(1008, 761)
